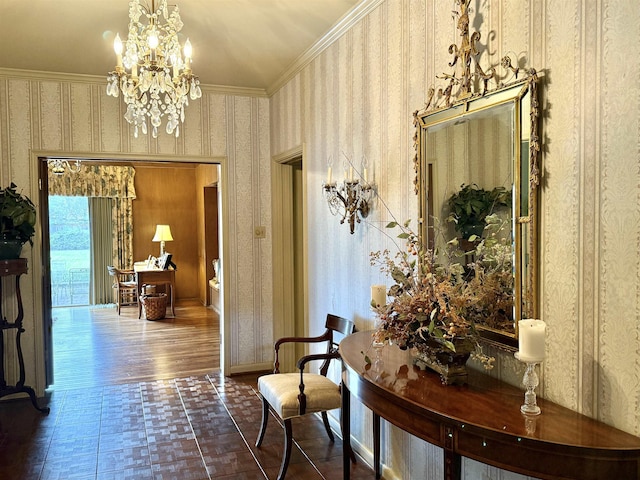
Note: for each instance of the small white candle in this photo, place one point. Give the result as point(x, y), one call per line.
point(379, 295)
point(531, 340)
point(117, 47)
point(351, 174)
point(329, 176)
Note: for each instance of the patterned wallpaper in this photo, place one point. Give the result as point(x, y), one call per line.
point(72, 115)
point(359, 95)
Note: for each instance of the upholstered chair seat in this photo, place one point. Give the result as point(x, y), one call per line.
point(281, 391)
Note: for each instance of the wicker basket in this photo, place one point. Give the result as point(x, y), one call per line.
point(155, 305)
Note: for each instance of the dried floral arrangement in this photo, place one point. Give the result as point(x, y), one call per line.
point(434, 298)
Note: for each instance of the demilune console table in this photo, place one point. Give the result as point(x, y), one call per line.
point(14, 268)
point(480, 420)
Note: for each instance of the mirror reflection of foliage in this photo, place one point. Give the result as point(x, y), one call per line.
point(490, 276)
point(470, 206)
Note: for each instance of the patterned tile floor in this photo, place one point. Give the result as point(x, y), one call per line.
point(192, 428)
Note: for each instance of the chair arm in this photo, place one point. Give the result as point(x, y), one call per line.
point(316, 356)
point(325, 336)
point(322, 338)
point(302, 398)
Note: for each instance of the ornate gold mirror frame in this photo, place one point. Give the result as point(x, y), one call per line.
point(481, 130)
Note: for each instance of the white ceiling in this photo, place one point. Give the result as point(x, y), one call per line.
point(239, 43)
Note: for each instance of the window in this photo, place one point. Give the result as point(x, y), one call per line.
point(70, 251)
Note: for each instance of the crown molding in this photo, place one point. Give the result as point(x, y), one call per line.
point(93, 79)
point(353, 16)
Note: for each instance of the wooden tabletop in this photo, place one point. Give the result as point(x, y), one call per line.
point(482, 419)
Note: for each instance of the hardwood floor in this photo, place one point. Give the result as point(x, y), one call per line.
point(137, 399)
point(96, 346)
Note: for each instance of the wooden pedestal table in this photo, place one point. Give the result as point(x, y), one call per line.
point(14, 268)
point(480, 420)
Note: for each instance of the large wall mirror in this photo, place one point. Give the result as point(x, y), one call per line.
point(477, 153)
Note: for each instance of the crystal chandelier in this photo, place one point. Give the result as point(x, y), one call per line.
point(154, 78)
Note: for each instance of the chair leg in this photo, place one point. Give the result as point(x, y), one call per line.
point(288, 440)
point(265, 418)
point(325, 420)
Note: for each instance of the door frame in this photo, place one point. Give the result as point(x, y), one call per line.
point(283, 264)
point(40, 267)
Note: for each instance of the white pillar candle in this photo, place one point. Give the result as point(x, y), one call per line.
point(531, 339)
point(329, 176)
point(379, 295)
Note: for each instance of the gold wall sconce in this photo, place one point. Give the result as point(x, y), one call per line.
point(349, 199)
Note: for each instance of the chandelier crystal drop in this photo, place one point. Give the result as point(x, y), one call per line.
point(154, 77)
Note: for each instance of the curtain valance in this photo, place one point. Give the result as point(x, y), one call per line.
point(113, 181)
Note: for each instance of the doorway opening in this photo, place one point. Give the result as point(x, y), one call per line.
point(67, 273)
point(289, 247)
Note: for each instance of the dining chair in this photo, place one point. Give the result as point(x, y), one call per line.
point(291, 395)
point(125, 286)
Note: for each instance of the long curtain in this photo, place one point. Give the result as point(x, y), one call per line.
point(111, 182)
point(122, 248)
point(101, 242)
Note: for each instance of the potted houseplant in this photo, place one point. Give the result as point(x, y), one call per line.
point(17, 222)
point(469, 207)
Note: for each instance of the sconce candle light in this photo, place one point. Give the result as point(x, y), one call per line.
point(350, 199)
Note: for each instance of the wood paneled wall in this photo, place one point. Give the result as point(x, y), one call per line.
point(167, 195)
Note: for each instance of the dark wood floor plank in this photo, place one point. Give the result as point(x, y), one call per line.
point(96, 346)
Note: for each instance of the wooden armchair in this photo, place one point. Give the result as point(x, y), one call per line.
point(125, 287)
point(294, 394)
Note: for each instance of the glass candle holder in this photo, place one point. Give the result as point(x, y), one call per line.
point(530, 381)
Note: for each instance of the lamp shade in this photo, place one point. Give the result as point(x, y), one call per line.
point(163, 234)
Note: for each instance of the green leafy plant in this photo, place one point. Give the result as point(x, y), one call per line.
point(17, 215)
point(470, 206)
